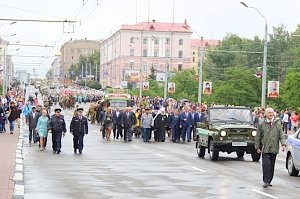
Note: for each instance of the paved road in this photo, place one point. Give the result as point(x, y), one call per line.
point(146, 170)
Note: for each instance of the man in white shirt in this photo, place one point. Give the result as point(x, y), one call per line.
point(285, 121)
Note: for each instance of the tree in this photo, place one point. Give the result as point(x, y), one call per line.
point(290, 92)
point(240, 87)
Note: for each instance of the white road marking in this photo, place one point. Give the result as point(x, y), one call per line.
point(135, 146)
point(198, 169)
point(265, 194)
point(281, 159)
point(161, 155)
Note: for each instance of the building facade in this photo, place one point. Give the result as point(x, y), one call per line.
point(72, 50)
point(196, 45)
point(55, 68)
point(130, 53)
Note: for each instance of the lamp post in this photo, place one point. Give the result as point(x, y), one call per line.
point(264, 72)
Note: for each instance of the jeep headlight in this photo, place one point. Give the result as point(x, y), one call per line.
point(223, 133)
point(254, 133)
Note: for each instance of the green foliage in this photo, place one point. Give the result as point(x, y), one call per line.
point(290, 92)
point(155, 89)
point(91, 84)
point(84, 64)
point(240, 87)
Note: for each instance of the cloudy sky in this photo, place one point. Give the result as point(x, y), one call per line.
point(98, 19)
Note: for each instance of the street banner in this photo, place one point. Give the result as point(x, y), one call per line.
point(131, 75)
point(160, 77)
point(273, 89)
point(171, 87)
point(145, 86)
point(207, 88)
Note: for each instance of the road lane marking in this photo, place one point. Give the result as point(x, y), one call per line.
point(135, 146)
point(265, 194)
point(161, 155)
point(198, 169)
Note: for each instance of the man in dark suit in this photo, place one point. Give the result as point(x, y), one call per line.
point(174, 121)
point(128, 120)
point(32, 122)
point(79, 128)
point(185, 124)
point(117, 126)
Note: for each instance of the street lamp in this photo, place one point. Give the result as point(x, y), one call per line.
point(264, 72)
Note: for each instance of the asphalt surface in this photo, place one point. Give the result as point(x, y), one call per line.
point(145, 170)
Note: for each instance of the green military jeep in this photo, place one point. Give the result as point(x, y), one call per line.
point(227, 129)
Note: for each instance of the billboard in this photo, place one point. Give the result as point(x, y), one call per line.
point(171, 87)
point(207, 88)
point(145, 86)
point(273, 89)
point(131, 75)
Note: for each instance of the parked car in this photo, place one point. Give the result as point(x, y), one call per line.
point(293, 154)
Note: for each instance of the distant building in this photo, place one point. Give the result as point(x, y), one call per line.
point(196, 45)
point(55, 68)
point(6, 65)
point(71, 51)
point(139, 47)
point(23, 76)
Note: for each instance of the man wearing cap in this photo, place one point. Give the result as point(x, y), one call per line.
point(57, 126)
point(79, 128)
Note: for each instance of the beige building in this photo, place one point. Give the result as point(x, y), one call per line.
point(196, 45)
point(71, 51)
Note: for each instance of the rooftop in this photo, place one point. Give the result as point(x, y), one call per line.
point(159, 26)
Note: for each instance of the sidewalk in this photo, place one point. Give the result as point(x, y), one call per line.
point(8, 145)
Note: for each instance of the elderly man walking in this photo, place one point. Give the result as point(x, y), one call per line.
point(269, 134)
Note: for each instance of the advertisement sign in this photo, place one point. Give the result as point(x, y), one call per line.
point(171, 87)
point(131, 75)
point(145, 86)
point(160, 77)
point(207, 88)
point(273, 89)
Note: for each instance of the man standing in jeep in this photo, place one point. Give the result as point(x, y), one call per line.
point(269, 133)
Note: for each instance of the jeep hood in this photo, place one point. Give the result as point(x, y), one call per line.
point(233, 126)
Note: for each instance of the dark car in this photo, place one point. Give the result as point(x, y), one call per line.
point(227, 129)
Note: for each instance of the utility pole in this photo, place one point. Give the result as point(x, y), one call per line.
point(82, 71)
point(166, 78)
point(200, 76)
point(85, 74)
point(96, 75)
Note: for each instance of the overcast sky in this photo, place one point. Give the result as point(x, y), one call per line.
point(212, 19)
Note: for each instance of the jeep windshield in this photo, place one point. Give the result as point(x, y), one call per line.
point(230, 115)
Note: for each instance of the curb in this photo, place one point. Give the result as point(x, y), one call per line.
point(18, 177)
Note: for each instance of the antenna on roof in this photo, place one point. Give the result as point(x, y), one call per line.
point(173, 11)
point(136, 11)
point(148, 11)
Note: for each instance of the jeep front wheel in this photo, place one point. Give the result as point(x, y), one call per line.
point(255, 156)
point(200, 151)
point(213, 152)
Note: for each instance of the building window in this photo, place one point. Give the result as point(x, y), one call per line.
point(156, 40)
point(155, 66)
point(131, 65)
point(145, 53)
point(145, 40)
point(72, 50)
point(132, 40)
point(167, 53)
point(156, 53)
point(180, 41)
point(194, 52)
point(179, 67)
point(193, 59)
point(131, 52)
point(167, 40)
point(78, 50)
point(180, 54)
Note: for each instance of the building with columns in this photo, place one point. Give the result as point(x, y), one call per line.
point(129, 54)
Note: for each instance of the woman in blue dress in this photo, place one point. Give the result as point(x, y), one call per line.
point(42, 128)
